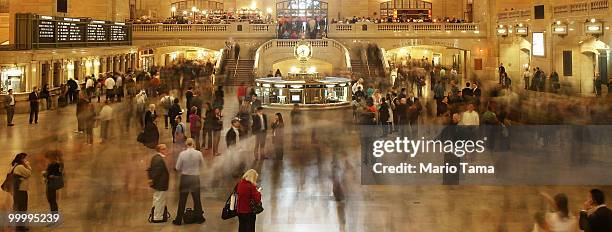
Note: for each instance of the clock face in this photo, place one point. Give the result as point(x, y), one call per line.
point(303, 51)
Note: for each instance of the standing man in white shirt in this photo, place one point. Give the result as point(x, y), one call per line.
point(109, 85)
point(89, 87)
point(526, 78)
point(106, 115)
point(10, 108)
point(189, 163)
point(470, 116)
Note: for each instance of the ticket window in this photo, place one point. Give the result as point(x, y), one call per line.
point(295, 96)
point(12, 78)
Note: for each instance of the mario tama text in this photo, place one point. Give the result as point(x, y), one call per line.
point(430, 168)
point(404, 147)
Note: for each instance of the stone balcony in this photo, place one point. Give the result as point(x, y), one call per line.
point(407, 30)
point(358, 30)
point(195, 31)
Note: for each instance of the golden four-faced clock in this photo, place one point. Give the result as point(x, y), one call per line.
point(303, 51)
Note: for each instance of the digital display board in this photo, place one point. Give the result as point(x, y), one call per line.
point(96, 32)
point(538, 44)
point(118, 32)
point(75, 32)
point(46, 31)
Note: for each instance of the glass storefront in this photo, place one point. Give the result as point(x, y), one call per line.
point(12, 78)
point(275, 91)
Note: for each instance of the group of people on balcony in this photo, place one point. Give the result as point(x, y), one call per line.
point(224, 18)
point(294, 28)
point(362, 19)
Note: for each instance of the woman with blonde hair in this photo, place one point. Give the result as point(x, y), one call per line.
point(248, 194)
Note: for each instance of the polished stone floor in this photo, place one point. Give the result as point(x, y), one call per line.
point(315, 188)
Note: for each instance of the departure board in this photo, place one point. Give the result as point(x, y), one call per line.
point(96, 32)
point(75, 32)
point(119, 32)
point(46, 31)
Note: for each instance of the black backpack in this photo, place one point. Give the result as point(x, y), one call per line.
point(191, 216)
point(164, 218)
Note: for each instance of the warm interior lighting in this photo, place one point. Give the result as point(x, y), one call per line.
point(559, 29)
point(173, 9)
point(593, 28)
point(312, 69)
point(593, 20)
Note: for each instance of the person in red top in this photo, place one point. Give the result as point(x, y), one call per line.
point(247, 191)
point(241, 93)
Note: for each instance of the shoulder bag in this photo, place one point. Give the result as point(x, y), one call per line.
point(230, 210)
point(9, 183)
point(256, 208)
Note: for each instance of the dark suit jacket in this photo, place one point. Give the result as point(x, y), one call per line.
point(230, 137)
point(477, 92)
point(599, 221)
point(33, 98)
point(158, 172)
point(467, 92)
point(257, 123)
point(175, 110)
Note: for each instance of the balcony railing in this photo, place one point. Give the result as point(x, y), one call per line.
point(400, 29)
point(219, 30)
point(143, 31)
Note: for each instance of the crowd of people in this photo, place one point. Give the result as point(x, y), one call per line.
point(211, 17)
point(307, 27)
point(192, 109)
point(364, 19)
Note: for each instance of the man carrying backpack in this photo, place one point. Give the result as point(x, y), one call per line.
point(159, 179)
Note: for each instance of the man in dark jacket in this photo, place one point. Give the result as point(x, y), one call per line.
point(72, 89)
point(260, 126)
point(158, 180)
point(233, 134)
point(33, 98)
point(596, 216)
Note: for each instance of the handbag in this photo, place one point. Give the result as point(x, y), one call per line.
point(165, 216)
point(256, 208)
point(229, 210)
point(141, 137)
point(9, 182)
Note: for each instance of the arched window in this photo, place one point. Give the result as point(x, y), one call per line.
point(4, 6)
point(301, 8)
point(409, 9)
point(186, 5)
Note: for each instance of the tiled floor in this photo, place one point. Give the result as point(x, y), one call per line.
point(315, 188)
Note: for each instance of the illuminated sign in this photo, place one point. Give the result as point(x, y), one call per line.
point(538, 44)
point(593, 28)
point(522, 31)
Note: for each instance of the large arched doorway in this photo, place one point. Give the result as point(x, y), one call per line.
point(406, 10)
point(297, 18)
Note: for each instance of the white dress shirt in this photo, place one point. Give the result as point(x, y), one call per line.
point(470, 118)
point(189, 162)
point(109, 83)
